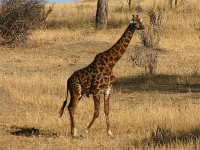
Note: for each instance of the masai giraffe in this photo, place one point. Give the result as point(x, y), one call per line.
point(97, 78)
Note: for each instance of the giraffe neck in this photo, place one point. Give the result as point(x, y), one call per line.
point(117, 50)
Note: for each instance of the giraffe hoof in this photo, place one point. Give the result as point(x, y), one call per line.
point(110, 134)
point(85, 133)
point(74, 133)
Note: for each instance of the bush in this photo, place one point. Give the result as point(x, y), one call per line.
point(18, 18)
point(146, 54)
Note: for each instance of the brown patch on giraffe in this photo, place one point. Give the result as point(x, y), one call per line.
point(106, 60)
point(117, 57)
point(111, 58)
point(106, 79)
point(126, 41)
point(106, 70)
point(101, 68)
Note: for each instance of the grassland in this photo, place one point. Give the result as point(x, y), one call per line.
point(147, 112)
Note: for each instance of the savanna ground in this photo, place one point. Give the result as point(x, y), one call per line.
point(147, 112)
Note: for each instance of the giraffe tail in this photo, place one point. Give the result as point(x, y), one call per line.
point(64, 104)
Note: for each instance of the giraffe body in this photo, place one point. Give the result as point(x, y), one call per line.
point(97, 78)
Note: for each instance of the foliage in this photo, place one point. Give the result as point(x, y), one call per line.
point(18, 18)
point(147, 53)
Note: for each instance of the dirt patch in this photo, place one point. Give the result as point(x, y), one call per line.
point(90, 47)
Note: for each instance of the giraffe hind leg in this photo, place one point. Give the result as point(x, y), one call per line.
point(76, 95)
point(71, 108)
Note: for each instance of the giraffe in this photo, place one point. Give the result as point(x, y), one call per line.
point(97, 78)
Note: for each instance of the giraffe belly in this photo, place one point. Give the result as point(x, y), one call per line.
point(98, 83)
point(87, 89)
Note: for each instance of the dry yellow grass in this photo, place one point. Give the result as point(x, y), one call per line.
point(147, 112)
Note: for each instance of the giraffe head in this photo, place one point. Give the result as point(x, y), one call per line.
point(136, 23)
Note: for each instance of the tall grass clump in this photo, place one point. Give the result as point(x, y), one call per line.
point(197, 27)
point(72, 16)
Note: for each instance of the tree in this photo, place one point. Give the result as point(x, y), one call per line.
point(102, 14)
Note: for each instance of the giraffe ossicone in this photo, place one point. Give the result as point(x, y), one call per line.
point(97, 78)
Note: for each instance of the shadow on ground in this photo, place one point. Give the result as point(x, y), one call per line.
point(164, 137)
point(161, 82)
point(29, 132)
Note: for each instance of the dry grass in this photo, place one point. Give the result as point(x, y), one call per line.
point(147, 112)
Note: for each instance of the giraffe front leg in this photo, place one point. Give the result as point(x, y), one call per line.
point(106, 111)
point(96, 111)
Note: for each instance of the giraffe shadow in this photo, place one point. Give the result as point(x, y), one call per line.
point(160, 82)
point(30, 132)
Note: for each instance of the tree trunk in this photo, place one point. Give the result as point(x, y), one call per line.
point(102, 14)
point(176, 1)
